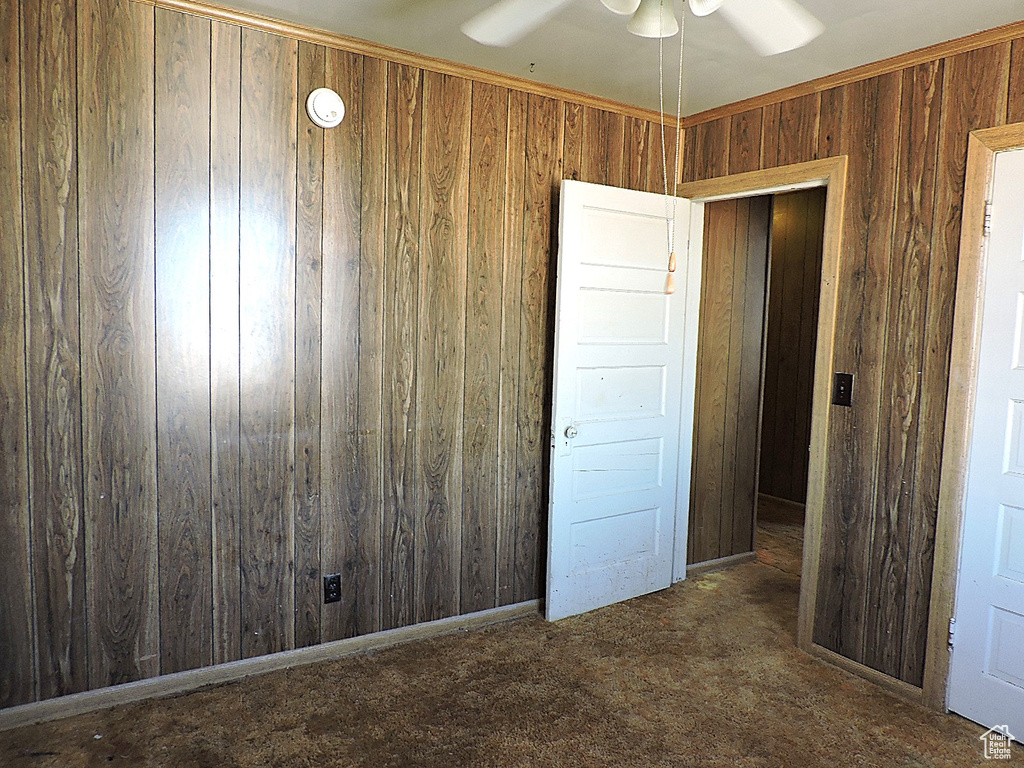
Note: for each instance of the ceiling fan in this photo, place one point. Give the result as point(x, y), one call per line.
point(770, 26)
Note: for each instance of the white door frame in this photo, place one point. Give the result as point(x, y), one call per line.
point(829, 173)
point(963, 372)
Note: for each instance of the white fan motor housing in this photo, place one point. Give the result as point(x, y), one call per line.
point(325, 108)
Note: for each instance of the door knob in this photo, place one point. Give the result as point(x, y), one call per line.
point(571, 431)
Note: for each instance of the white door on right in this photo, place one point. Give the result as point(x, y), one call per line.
point(987, 669)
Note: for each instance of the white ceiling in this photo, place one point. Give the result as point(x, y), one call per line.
point(587, 48)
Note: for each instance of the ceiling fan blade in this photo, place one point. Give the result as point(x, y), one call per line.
point(508, 21)
point(772, 26)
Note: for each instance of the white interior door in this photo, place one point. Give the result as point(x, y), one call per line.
point(987, 673)
point(625, 361)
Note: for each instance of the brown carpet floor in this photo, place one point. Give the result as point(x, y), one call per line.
point(705, 673)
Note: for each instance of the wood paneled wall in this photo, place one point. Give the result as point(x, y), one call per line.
point(728, 396)
point(798, 224)
point(905, 134)
point(239, 352)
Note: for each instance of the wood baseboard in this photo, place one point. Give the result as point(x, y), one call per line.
point(904, 690)
point(788, 503)
point(194, 679)
point(718, 564)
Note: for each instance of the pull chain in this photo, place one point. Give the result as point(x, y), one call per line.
point(671, 202)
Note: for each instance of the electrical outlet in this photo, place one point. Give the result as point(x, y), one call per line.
point(332, 588)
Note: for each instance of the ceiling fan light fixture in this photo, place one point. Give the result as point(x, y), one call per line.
point(621, 7)
point(705, 7)
point(654, 18)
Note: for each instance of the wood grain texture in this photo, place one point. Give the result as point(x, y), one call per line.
point(798, 131)
point(225, 436)
point(339, 334)
point(596, 140)
point(116, 257)
point(745, 141)
point(1015, 91)
point(636, 169)
point(616, 149)
point(748, 359)
point(182, 84)
point(974, 88)
point(771, 135)
point(440, 385)
point(542, 175)
point(572, 142)
point(830, 120)
point(484, 302)
point(860, 325)
point(712, 375)
point(401, 313)
point(50, 181)
point(311, 217)
point(946, 49)
point(267, 345)
point(789, 355)
point(712, 149)
point(371, 344)
point(17, 643)
point(511, 329)
point(901, 380)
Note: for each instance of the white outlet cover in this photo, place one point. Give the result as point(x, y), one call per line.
point(325, 108)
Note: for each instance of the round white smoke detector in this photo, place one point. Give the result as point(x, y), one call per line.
point(325, 108)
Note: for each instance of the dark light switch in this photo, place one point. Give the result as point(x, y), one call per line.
point(842, 389)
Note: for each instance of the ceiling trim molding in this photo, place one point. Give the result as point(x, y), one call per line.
point(397, 55)
point(953, 47)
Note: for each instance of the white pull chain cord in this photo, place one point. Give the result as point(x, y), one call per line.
point(670, 200)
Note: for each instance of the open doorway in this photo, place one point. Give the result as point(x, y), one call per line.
point(790, 336)
point(760, 291)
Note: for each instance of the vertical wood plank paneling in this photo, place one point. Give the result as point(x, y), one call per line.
point(658, 171)
point(440, 385)
point(17, 644)
point(401, 314)
point(635, 166)
point(748, 403)
point(182, 84)
point(830, 120)
point(901, 381)
point(771, 128)
point(810, 296)
point(616, 149)
point(116, 212)
point(791, 215)
point(974, 88)
point(712, 150)
point(484, 298)
point(771, 421)
point(311, 217)
point(267, 349)
point(339, 327)
point(860, 323)
point(798, 129)
point(688, 172)
point(225, 137)
point(731, 438)
point(511, 291)
point(371, 342)
point(745, 141)
point(596, 140)
point(1015, 91)
point(543, 170)
point(50, 200)
point(712, 375)
point(572, 142)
